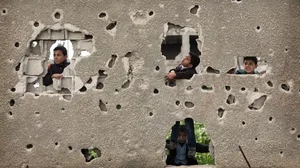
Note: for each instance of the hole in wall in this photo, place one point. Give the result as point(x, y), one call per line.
point(102, 15)
point(256, 139)
point(285, 87)
point(231, 71)
point(89, 81)
point(151, 13)
point(12, 102)
point(83, 89)
point(62, 110)
point(37, 113)
point(212, 70)
point(207, 87)
point(102, 106)
point(29, 146)
point(255, 90)
point(13, 89)
point(36, 24)
point(258, 103)
point(228, 88)
point(243, 89)
point(258, 28)
point(150, 114)
point(91, 153)
point(221, 112)
point(112, 61)
point(194, 9)
point(17, 68)
point(70, 147)
point(17, 44)
point(102, 75)
point(194, 132)
point(10, 113)
point(157, 68)
point(230, 99)
point(57, 15)
point(155, 91)
point(286, 50)
point(189, 88)
point(189, 104)
point(298, 137)
point(270, 84)
point(4, 11)
point(171, 46)
point(111, 25)
point(118, 107)
point(177, 103)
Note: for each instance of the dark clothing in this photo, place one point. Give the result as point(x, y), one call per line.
point(54, 69)
point(184, 73)
point(242, 71)
point(189, 123)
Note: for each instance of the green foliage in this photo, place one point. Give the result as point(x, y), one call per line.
point(93, 153)
point(202, 138)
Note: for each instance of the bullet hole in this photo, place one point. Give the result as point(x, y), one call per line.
point(270, 119)
point(17, 44)
point(194, 9)
point(243, 89)
point(13, 89)
point(88, 36)
point(67, 97)
point(102, 15)
point(239, 0)
point(4, 11)
point(102, 106)
point(17, 68)
point(177, 103)
point(12, 102)
point(37, 113)
point(36, 24)
point(285, 87)
point(189, 104)
point(111, 25)
point(207, 87)
point(231, 71)
point(221, 112)
point(227, 88)
point(126, 84)
point(258, 103)
point(189, 88)
point(151, 13)
point(83, 89)
point(128, 54)
point(112, 61)
point(286, 50)
point(63, 110)
point(243, 122)
point(29, 146)
point(255, 139)
point(56, 143)
point(89, 81)
point(170, 83)
point(70, 147)
point(255, 90)
point(281, 153)
point(212, 70)
point(100, 85)
point(118, 106)
point(91, 153)
point(116, 90)
point(157, 68)
point(10, 113)
point(57, 15)
point(270, 83)
point(258, 28)
point(230, 99)
point(150, 114)
point(155, 91)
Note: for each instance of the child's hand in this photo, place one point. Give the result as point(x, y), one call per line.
point(171, 75)
point(57, 76)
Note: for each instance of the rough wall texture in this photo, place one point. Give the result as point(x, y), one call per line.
point(123, 117)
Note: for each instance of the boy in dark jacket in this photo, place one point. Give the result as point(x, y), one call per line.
point(186, 69)
point(60, 63)
point(179, 146)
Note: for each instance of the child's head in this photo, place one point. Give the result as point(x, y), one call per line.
point(182, 134)
point(250, 64)
point(60, 54)
point(192, 60)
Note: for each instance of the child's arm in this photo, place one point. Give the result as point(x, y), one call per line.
point(184, 74)
point(47, 80)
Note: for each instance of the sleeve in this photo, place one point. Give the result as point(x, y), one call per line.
point(202, 148)
point(184, 74)
point(239, 72)
point(47, 80)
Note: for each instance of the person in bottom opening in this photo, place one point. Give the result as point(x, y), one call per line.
point(182, 146)
point(186, 69)
point(250, 64)
point(60, 63)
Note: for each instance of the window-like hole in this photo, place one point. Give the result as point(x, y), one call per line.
point(17, 44)
point(12, 102)
point(36, 24)
point(111, 25)
point(155, 91)
point(102, 15)
point(91, 153)
point(88, 36)
point(193, 133)
point(57, 15)
point(10, 113)
point(227, 88)
point(285, 87)
point(171, 46)
point(56, 143)
point(194, 9)
point(256, 139)
point(253, 64)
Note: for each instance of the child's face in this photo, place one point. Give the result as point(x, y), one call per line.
point(181, 137)
point(249, 66)
point(59, 57)
point(186, 61)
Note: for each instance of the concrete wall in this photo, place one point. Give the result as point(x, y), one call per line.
point(121, 115)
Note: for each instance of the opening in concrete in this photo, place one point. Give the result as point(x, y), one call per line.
point(191, 138)
point(285, 87)
point(258, 103)
point(207, 87)
point(91, 153)
point(228, 88)
point(102, 74)
point(221, 113)
point(194, 10)
point(251, 65)
point(189, 104)
point(230, 99)
point(102, 106)
point(212, 70)
point(112, 61)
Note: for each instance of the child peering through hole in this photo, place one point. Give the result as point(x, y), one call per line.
point(182, 146)
point(60, 63)
point(185, 70)
point(249, 64)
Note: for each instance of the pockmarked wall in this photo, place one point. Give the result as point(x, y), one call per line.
point(116, 99)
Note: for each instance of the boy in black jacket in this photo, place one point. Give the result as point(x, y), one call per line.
point(178, 146)
point(60, 63)
point(186, 69)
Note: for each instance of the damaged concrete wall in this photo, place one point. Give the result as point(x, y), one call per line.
point(116, 98)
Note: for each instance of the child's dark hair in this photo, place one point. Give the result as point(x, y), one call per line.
point(62, 49)
point(252, 58)
point(195, 60)
point(182, 128)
